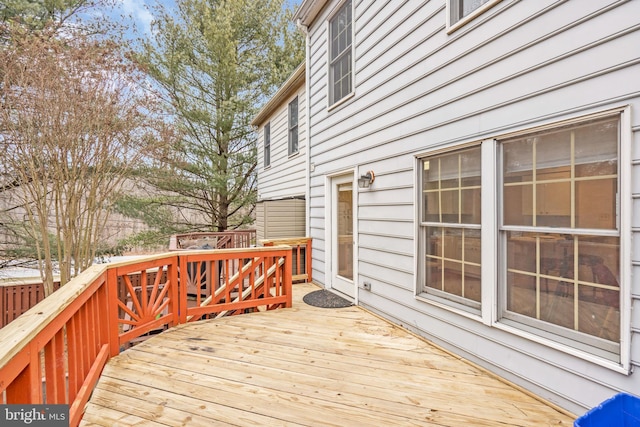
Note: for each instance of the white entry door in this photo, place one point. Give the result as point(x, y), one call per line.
point(342, 239)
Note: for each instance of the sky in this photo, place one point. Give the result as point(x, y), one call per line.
point(136, 14)
point(140, 13)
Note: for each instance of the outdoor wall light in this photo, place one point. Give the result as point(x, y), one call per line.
point(366, 180)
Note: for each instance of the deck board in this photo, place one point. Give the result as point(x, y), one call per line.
point(304, 366)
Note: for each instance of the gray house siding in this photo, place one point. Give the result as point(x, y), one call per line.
point(519, 65)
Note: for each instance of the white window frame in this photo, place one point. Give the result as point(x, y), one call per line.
point(492, 284)
point(454, 24)
point(464, 305)
point(266, 136)
point(293, 128)
point(331, 101)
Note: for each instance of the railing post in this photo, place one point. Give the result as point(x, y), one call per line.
point(27, 387)
point(182, 282)
point(307, 252)
point(288, 278)
point(112, 310)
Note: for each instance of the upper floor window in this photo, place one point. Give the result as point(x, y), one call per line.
point(293, 126)
point(340, 54)
point(461, 11)
point(267, 145)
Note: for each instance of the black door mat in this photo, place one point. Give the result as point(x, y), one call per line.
point(325, 299)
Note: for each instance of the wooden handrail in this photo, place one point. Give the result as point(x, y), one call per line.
point(301, 247)
point(54, 353)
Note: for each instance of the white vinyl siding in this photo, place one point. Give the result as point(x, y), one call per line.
point(422, 91)
point(285, 176)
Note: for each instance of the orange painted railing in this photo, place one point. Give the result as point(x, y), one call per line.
point(301, 247)
point(229, 239)
point(54, 353)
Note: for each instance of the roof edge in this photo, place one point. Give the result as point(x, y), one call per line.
point(295, 80)
point(308, 11)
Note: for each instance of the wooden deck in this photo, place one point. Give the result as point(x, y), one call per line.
point(304, 366)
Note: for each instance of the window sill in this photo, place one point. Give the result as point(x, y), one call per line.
point(342, 101)
point(458, 309)
point(621, 368)
point(464, 21)
point(292, 155)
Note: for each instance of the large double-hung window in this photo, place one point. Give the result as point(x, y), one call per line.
point(556, 233)
point(560, 232)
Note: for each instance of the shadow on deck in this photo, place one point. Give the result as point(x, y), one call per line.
point(304, 366)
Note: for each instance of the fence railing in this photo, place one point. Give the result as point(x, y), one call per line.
point(213, 240)
point(301, 247)
point(18, 296)
point(54, 353)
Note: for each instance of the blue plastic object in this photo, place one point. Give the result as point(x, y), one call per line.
point(622, 410)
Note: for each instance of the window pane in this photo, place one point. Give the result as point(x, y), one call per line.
point(599, 260)
point(431, 174)
point(449, 171)
point(472, 246)
point(521, 294)
point(521, 251)
point(553, 204)
point(596, 204)
point(450, 206)
point(556, 255)
point(452, 243)
point(518, 204)
point(470, 167)
point(553, 154)
point(599, 312)
point(469, 6)
point(557, 302)
point(453, 277)
point(434, 241)
point(596, 149)
point(518, 160)
point(472, 282)
point(432, 207)
point(433, 277)
point(470, 206)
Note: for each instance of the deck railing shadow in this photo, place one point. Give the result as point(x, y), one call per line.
point(54, 353)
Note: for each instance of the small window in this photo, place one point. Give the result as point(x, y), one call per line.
point(451, 226)
point(340, 54)
point(461, 9)
point(267, 145)
point(293, 126)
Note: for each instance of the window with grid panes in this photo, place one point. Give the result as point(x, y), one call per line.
point(560, 232)
point(340, 54)
point(450, 226)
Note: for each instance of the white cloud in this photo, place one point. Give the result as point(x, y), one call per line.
point(140, 14)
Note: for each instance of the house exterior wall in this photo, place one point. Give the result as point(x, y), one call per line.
point(282, 184)
point(286, 175)
point(280, 219)
point(418, 88)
